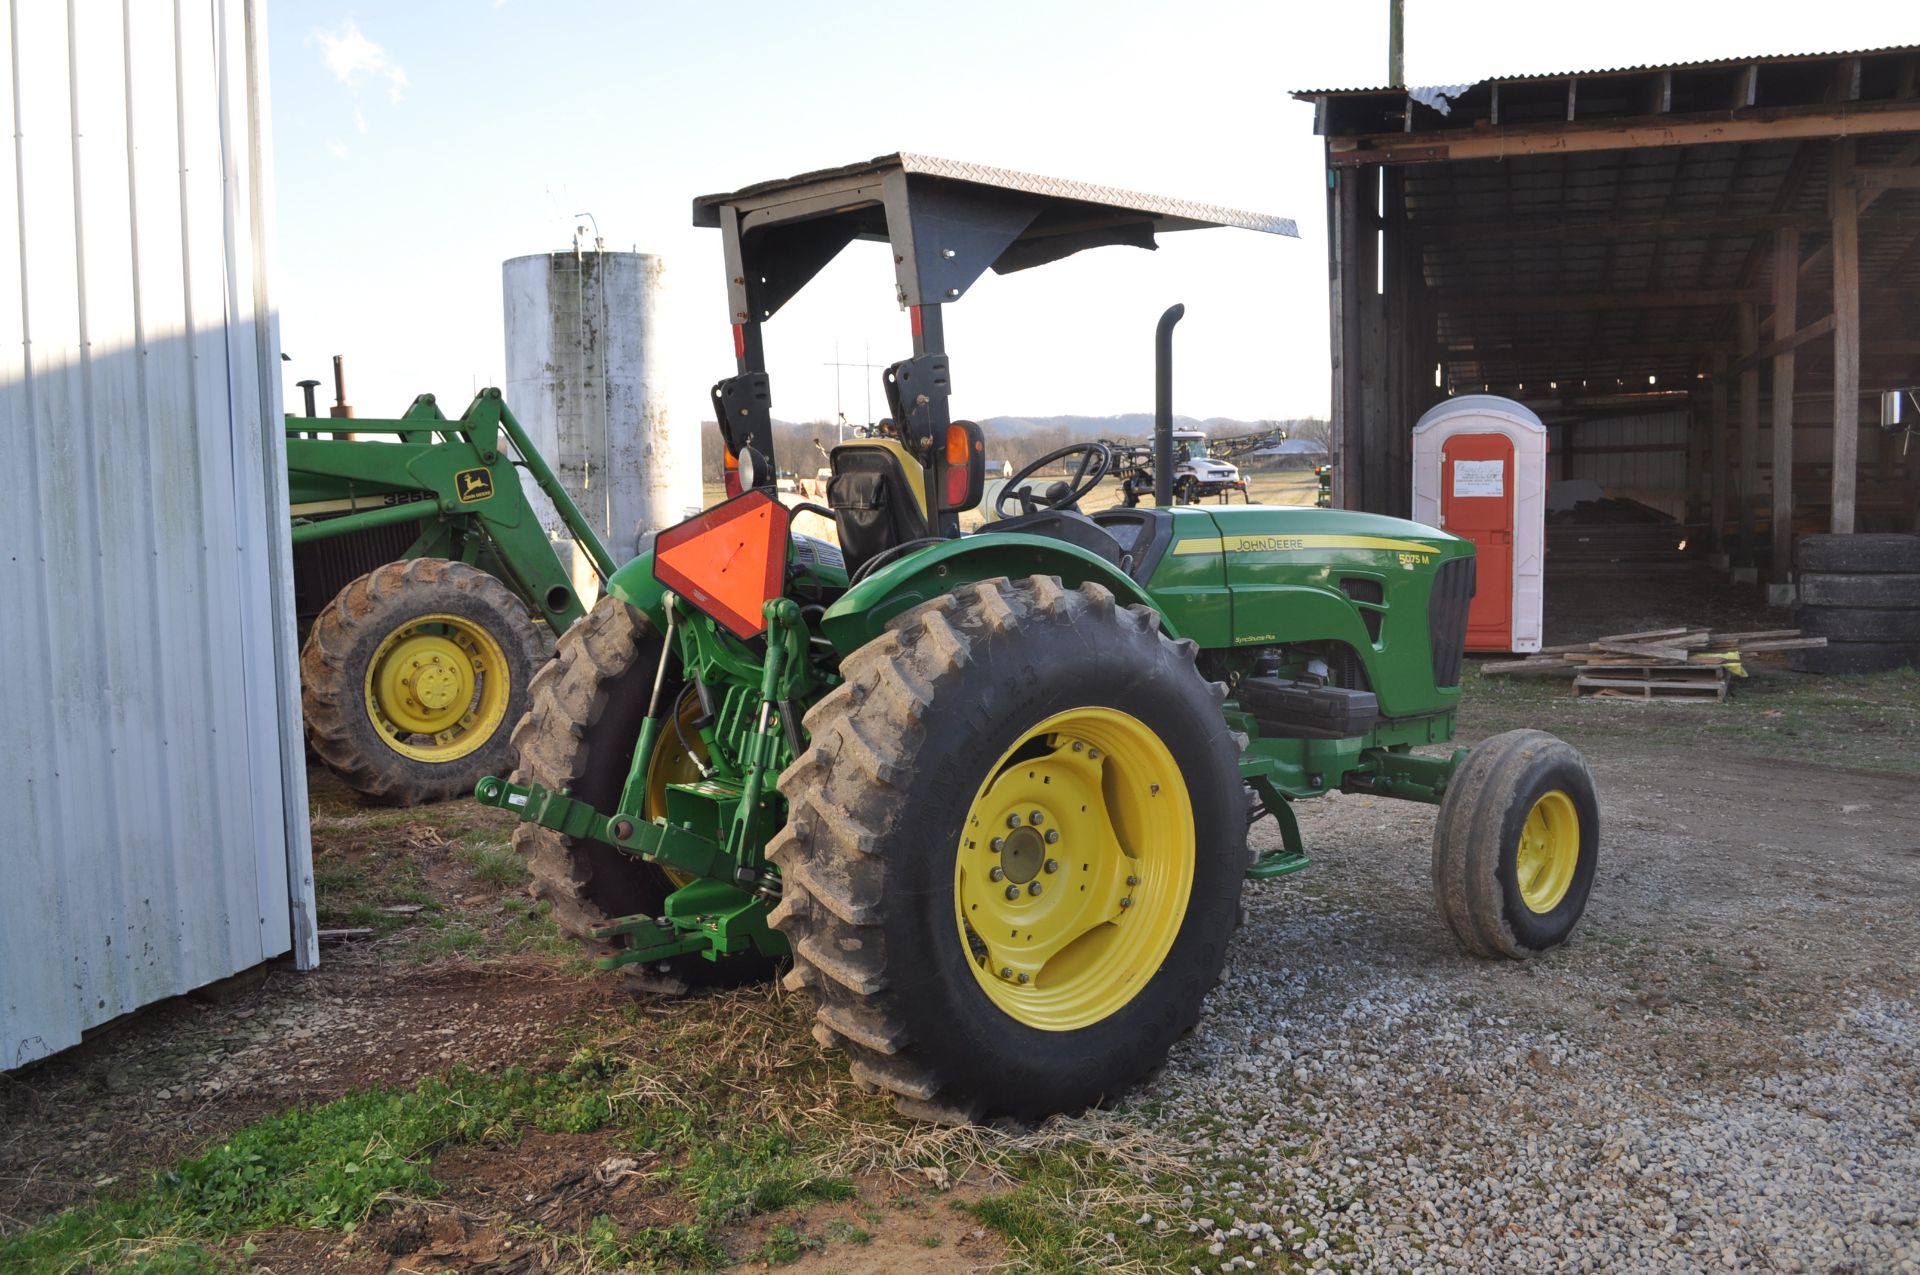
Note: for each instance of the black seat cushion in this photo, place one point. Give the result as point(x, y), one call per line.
point(873, 507)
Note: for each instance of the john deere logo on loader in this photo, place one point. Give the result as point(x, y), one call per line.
point(473, 484)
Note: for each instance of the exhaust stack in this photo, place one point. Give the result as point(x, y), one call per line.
point(1163, 405)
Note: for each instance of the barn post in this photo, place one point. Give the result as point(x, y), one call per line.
point(1786, 321)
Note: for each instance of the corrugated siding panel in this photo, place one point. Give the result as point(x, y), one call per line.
point(1644, 459)
point(148, 723)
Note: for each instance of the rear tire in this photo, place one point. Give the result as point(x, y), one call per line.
point(481, 647)
point(1860, 624)
point(885, 835)
point(1889, 590)
point(1857, 553)
point(1856, 657)
point(578, 736)
point(1515, 845)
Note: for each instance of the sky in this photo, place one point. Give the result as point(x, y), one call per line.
point(417, 146)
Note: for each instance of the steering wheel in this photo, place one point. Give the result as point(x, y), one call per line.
point(1095, 460)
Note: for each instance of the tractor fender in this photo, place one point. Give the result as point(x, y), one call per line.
point(634, 585)
point(862, 613)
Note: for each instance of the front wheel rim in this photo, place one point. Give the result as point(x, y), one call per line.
point(1549, 852)
point(437, 688)
point(1074, 869)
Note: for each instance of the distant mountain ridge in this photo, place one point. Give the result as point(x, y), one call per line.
point(1140, 424)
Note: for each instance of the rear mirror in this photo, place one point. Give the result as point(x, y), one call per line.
point(966, 467)
point(754, 470)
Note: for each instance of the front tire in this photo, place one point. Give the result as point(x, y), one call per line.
point(972, 967)
point(413, 676)
point(1515, 845)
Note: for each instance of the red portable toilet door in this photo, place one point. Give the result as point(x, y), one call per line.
point(1476, 502)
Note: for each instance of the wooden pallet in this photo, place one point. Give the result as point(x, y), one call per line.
point(1685, 682)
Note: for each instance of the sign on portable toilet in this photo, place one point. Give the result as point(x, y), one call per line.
point(1480, 472)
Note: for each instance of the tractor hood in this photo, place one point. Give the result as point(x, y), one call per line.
point(1298, 531)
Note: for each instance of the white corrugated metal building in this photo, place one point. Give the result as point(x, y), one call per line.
point(151, 766)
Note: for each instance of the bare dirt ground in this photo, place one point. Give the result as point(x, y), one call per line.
point(1719, 1070)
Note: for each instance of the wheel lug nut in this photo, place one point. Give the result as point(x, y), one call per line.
point(1077, 745)
point(1013, 892)
point(999, 844)
point(997, 874)
point(1036, 818)
point(1126, 903)
point(1133, 880)
point(1023, 977)
point(1093, 754)
point(1013, 821)
point(1051, 865)
point(1006, 971)
point(1034, 888)
point(1053, 835)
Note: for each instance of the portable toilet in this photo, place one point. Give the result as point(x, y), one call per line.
point(1480, 472)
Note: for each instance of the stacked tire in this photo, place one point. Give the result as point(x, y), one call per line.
point(1862, 594)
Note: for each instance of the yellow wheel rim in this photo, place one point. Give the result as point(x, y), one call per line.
point(674, 762)
point(1549, 852)
point(1074, 867)
point(437, 688)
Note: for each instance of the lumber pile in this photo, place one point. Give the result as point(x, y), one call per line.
point(1679, 664)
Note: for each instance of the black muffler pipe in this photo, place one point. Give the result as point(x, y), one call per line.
point(1163, 405)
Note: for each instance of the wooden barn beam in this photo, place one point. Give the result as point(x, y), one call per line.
point(1749, 438)
point(1559, 230)
point(1786, 315)
point(1792, 341)
point(1587, 302)
point(1717, 461)
point(1777, 124)
point(1846, 336)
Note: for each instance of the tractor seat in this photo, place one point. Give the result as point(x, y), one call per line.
point(878, 496)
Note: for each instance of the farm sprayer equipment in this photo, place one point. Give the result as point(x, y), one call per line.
point(992, 792)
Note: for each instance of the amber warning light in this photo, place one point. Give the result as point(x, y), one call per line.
point(729, 561)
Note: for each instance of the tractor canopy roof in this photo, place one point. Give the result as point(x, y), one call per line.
point(947, 221)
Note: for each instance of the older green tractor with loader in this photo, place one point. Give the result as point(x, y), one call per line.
point(991, 793)
point(427, 592)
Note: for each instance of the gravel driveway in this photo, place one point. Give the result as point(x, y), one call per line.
point(1718, 1072)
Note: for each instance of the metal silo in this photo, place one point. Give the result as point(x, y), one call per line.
point(584, 377)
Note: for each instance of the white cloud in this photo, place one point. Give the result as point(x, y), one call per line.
point(336, 149)
point(356, 61)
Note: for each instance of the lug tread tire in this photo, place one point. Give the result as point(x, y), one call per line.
point(1857, 657)
point(1860, 624)
point(853, 820)
point(1471, 835)
point(578, 735)
point(333, 675)
point(599, 666)
point(1891, 590)
point(1863, 552)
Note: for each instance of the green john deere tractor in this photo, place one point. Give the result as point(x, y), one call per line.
point(427, 593)
point(991, 793)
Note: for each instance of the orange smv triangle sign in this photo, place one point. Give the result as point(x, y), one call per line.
point(729, 561)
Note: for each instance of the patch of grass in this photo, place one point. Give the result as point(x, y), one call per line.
point(841, 1231)
point(1866, 721)
point(448, 938)
point(493, 862)
point(785, 1244)
point(318, 1167)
